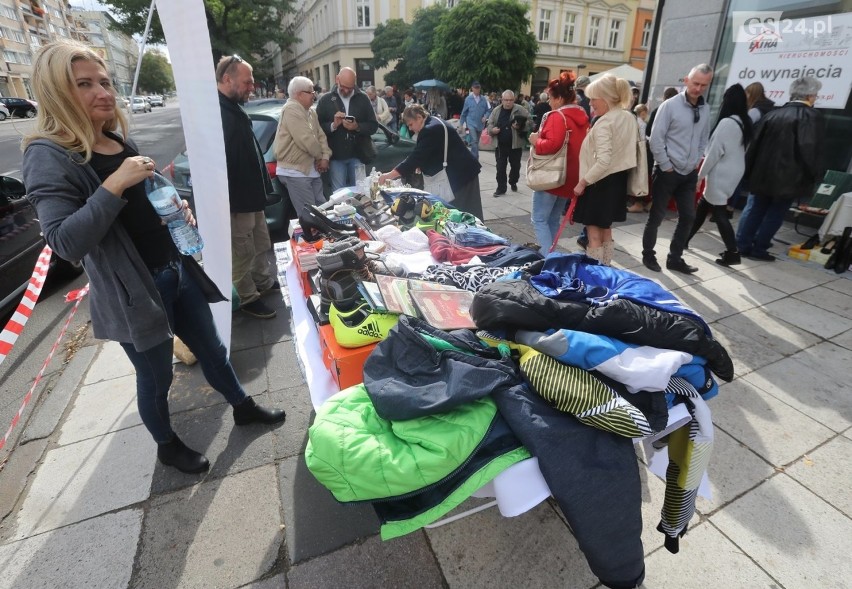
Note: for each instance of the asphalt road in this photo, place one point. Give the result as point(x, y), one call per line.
point(159, 135)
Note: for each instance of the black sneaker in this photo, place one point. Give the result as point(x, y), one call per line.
point(763, 257)
point(650, 262)
point(514, 187)
point(258, 308)
point(274, 289)
point(499, 193)
point(679, 265)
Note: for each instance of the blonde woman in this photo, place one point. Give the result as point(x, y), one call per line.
point(86, 182)
point(301, 147)
point(607, 153)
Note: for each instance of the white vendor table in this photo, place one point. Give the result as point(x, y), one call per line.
point(838, 218)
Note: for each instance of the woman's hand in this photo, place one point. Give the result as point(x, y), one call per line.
point(495, 130)
point(533, 138)
point(187, 213)
point(131, 172)
point(388, 176)
point(580, 188)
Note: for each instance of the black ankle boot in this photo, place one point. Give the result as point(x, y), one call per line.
point(729, 258)
point(177, 454)
point(250, 412)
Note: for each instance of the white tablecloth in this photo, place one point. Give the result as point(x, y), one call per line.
point(838, 218)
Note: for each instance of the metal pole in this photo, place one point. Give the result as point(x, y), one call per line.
point(141, 51)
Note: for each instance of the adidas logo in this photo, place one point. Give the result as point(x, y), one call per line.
point(370, 329)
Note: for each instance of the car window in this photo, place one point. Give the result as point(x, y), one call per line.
point(264, 129)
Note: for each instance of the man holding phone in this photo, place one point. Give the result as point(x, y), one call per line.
point(348, 120)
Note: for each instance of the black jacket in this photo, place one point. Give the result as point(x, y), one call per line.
point(248, 180)
point(348, 144)
point(784, 159)
point(428, 155)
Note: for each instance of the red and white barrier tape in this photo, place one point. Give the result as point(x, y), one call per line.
point(75, 295)
point(25, 307)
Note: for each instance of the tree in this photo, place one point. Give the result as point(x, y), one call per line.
point(485, 40)
point(155, 75)
point(422, 39)
point(408, 44)
point(388, 42)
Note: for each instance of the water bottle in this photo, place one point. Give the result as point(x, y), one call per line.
point(167, 203)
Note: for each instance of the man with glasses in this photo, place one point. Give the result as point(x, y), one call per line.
point(680, 133)
point(248, 185)
point(509, 125)
point(347, 118)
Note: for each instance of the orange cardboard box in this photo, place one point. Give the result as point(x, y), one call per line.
point(346, 364)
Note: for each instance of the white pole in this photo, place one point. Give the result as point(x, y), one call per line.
point(141, 52)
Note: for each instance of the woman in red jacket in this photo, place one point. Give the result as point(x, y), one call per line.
point(564, 117)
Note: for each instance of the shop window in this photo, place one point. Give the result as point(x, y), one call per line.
point(540, 79)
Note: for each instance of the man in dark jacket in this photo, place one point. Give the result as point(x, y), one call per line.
point(349, 121)
point(582, 99)
point(783, 162)
point(248, 185)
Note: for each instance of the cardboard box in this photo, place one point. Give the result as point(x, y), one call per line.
point(345, 364)
point(798, 253)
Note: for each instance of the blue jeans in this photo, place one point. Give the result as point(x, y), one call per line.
point(191, 320)
point(546, 214)
point(343, 172)
point(473, 140)
point(761, 219)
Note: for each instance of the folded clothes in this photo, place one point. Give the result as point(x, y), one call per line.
point(408, 242)
point(443, 250)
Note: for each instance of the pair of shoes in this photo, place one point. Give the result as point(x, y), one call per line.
point(259, 309)
point(583, 242)
point(514, 187)
point(728, 258)
point(315, 225)
point(274, 289)
point(636, 207)
point(680, 265)
point(763, 257)
point(360, 326)
point(176, 453)
point(650, 262)
point(250, 412)
point(499, 193)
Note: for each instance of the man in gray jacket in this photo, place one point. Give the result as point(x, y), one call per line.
point(678, 139)
point(509, 126)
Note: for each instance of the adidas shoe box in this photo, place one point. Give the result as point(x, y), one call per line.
point(345, 364)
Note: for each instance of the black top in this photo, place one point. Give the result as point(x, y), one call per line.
point(139, 218)
point(346, 144)
point(248, 179)
point(504, 122)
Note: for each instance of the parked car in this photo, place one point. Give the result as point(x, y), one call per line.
point(123, 100)
point(139, 104)
point(20, 245)
point(390, 147)
point(4, 112)
point(156, 100)
point(20, 107)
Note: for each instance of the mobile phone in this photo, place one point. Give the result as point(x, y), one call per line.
point(349, 118)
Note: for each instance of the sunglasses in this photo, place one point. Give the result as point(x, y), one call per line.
point(696, 114)
point(234, 59)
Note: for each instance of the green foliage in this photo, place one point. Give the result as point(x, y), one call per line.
point(486, 40)
point(155, 75)
point(388, 42)
point(422, 39)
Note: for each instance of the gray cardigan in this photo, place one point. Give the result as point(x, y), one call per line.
point(78, 219)
point(724, 162)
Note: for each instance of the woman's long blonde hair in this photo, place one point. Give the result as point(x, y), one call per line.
point(615, 91)
point(61, 118)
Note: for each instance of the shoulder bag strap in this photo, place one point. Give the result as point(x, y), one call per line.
point(446, 142)
point(567, 130)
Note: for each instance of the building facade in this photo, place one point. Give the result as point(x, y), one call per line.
point(585, 36)
point(117, 49)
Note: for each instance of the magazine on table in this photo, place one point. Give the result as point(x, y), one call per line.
point(444, 309)
point(395, 292)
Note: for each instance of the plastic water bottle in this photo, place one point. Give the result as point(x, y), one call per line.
point(167, 203)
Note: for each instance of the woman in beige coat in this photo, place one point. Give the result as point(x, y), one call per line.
point(301, 147)
point(607, 154)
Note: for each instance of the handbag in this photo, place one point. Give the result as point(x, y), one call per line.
point(439, 184)
point(637, 178)
point(548, 171)
point(485, 137)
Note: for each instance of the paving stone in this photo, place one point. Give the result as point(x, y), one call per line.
point(843, 285)
point(830, 359)
point(808, 317)
point(316, 523)
point(290, 439)
point(21, 463)
point(283, 367)
point(111, 362)
point(769, 427)
point(402, 563)
point(488, 550)
point(280, 328)
point(746, 353)
point(769, 331)
point(808, 389)
point(101, 408)
point(792, 279)
point(86, 479)
point(219, 534)
point(190, 390)
point(53, 405)
point(825, 471)
point(828, 299)
point(276, 582)
point(706, 559)
point(95, 553)
point(787, 530)
point(727, 295)
point(246, 332)
point(653, 494)
point(250, 366)
point(844, 339)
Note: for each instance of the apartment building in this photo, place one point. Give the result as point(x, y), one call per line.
point(585, 36)
point(117, 49)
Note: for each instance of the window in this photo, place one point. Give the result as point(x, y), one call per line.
point(362, 13)
point(594, 31)
point(544, 24)
point(8, 12)
point(646, 34)
point(570, 28)
point(18, 36)
point(614, 41)
point(10, 56)
point(63, 32)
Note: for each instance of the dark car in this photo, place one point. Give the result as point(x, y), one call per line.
point(20, 245)
point(390, 147)
point(20, 107)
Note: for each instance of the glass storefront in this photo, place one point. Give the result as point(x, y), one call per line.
point(838, 121)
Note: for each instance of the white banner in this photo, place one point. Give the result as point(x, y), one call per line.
point(185, 27)
point(776, 51)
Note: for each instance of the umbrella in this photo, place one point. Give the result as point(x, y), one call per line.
point(429, 84)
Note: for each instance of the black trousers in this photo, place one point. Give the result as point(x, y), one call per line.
point(720, 215)
point(505, 154)
point(667, 186)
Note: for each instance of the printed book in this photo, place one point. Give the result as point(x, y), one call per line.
point(444, 309)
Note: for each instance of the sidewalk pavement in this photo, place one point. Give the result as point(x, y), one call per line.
point(99, 511)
